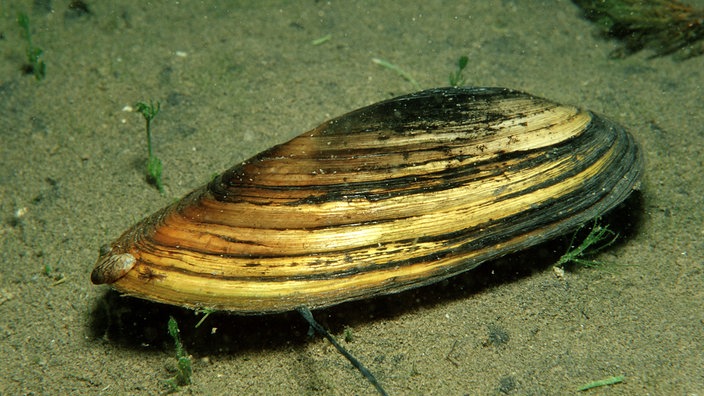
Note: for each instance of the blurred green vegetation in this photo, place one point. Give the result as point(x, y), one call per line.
point(666, 27)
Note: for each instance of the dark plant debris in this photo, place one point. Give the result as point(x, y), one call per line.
point(77, 9)
point(497, 335)
point(666, 27)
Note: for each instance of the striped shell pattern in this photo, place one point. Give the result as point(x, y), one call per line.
point(399, 194)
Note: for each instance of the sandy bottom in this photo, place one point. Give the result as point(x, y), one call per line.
point(235, 79)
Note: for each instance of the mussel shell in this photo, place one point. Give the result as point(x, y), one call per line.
point(392, 196)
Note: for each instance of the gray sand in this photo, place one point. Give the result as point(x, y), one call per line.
point(235, 79)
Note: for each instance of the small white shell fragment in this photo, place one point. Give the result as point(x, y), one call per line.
point(559, 272)
point(112, 267)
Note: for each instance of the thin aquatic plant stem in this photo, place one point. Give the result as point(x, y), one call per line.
point(149, 136)
point(308, 316)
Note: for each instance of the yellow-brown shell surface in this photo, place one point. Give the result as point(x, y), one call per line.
point(395, 195)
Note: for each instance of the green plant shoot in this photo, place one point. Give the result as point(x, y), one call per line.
point(206, 312)
point(154, 167)
point(34, 65)
point(599, 238)
point(184, 369)
point(405, 75)
point(456, 78)
point(604, 382)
